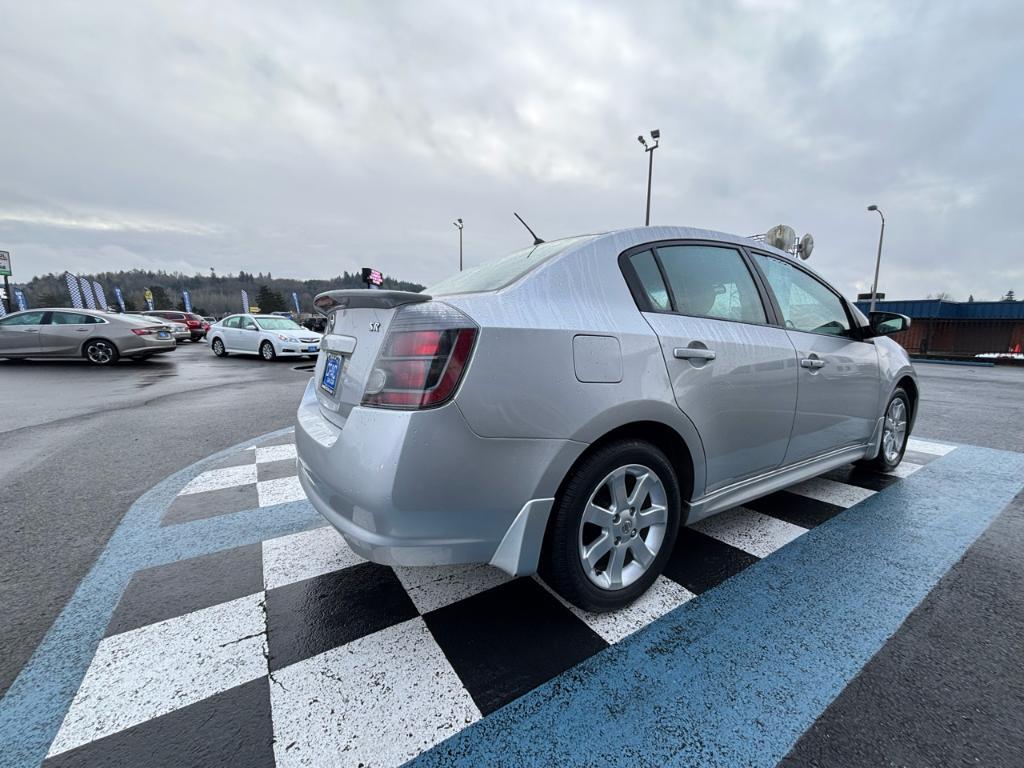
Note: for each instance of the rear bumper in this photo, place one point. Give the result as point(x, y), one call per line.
point(420, 488)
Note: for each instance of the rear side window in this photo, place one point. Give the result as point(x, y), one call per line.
point(711, 281)
point(651, 283)
point(806, 304)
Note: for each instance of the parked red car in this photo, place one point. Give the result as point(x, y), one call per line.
point(197, 326)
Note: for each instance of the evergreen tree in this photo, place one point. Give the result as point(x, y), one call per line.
point(160, 298)
point(269, 300)
point(1010, 296)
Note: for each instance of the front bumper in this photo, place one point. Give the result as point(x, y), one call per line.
point(421, 488)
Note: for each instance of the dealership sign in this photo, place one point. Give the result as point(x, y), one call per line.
point(5, 264)
point(372, 277)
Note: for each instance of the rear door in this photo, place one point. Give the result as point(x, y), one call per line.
point(734, 375)
point(20, 333)
point(837, 405)
point(66, 333)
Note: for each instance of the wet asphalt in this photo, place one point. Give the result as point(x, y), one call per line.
point(78, 445)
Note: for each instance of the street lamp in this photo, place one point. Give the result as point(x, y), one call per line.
point(458, 224)
point(649, 149)
point(878, 259)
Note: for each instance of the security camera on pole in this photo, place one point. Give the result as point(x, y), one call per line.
point(649, 149)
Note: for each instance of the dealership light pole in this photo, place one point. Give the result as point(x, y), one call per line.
point(458, 224)
point(878, 259)
point(649, 149)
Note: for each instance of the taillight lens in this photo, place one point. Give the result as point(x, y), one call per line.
point(423, 358)
point(145, 331)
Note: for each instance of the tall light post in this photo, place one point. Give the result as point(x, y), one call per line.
point(649, 149)
point(878, 259)
point(458, 223)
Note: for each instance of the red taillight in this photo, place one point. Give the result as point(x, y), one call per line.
point(192, 323)
point(420, 368)
point(145, 331)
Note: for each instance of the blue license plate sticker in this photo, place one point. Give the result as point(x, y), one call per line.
point(162, 335)
point(311, 349)
point(332, 372)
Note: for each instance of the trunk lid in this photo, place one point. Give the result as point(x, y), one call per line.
point(357, 324)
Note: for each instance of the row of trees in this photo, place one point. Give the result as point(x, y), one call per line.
point(210, 294)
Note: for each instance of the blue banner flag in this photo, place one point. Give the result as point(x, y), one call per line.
point(19, 296)
point(120, 297)
point(186, 300)
point(74, 290)
point(295, 298)
point(245, 301)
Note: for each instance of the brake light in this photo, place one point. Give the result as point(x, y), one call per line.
point(145, 331)
point(423, 358)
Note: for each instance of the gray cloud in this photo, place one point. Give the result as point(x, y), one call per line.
point(311, 139)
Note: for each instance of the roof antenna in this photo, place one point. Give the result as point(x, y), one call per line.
point(536, 240)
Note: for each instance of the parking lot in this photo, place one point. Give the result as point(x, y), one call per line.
point(176, 601)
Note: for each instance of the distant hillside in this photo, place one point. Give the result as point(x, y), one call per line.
point(210, 294)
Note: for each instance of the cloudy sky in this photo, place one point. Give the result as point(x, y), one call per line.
point(309, 138)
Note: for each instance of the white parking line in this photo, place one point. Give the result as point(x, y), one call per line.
point(216, 479)
point(380, 700)
point(301, 556)
point(831, 492)
point(905, 469)
point(745, 529)
point(147, 672)
point(279, 491)
point(434, 587)
point(275, 453)
point(926, 446)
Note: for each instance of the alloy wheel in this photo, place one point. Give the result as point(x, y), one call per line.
point(894, 432)
point(100, 352)
point(623, 526)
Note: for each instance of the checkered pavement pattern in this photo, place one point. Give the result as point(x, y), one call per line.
point(296, 652)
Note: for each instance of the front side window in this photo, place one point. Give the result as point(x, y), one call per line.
point(806, 304)
point(711, 281)
point(231, 322)
point(25, 318)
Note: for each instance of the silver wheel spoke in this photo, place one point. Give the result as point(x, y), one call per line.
point(618, 489)
point(641, 553)
point(615, 563)
point(655, 515)
point(597, 550)
point(598, 515)
point(641, 490)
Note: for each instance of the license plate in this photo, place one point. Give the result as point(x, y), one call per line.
point(332, 372)
point(311, 349)
point(163, 335)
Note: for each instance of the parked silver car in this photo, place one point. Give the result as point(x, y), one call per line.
point(570, 405)
point(99, 337)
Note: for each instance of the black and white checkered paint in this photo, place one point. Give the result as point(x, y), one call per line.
point(294, 651)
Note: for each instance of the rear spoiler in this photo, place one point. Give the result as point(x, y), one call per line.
point(365, 298)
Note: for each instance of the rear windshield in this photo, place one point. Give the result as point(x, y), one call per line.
point(505, 270)
point(277, 324)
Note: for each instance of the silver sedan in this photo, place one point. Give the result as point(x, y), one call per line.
point(568, 407)
point(99, 337)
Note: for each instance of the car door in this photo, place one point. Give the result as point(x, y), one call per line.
point(733, 373)
point(66, 332)
point(19, 333)
point(229, 333)
point(249, 334)
point(837, 401)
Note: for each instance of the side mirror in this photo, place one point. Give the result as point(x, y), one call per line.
point(251, 327)
point(886, 323)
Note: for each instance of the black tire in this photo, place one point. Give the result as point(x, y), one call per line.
point(882, 462)
point(218, 347)
point(100, 352)
point(267, 352)
point(561, 563)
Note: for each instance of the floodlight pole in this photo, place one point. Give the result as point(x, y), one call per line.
point(458, 224)
point(878, 258)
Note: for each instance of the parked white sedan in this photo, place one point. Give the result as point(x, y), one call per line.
point(269, 336)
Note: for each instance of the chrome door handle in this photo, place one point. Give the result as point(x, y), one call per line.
point(31, 330)
point(812, 362)
point(693, 353)
point(81, 330)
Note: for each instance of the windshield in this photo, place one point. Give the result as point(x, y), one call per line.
point(505, 270)
point(277, 324)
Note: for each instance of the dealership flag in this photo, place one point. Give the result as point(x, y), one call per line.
point(186, 300)
point(19, 296)
point(295, 298)
point(90, 301)
point(119, 296)
point(245, 301)
point(74, 290)
point(3, 309)
point(101, 296)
